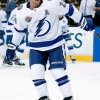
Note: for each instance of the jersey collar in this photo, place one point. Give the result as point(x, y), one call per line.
point(28, 5)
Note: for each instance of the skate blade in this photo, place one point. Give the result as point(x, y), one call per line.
point(6, 65)
point(11, 66)
point(19, 66)
point(73, 62)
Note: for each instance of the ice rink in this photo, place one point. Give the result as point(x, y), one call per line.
point(16, 84)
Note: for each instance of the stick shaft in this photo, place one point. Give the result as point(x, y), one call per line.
point(96, 34)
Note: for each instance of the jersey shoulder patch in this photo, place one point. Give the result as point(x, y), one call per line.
point(20, 7)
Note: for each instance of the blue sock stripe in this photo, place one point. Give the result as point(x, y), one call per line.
point(62, 83)
point(39, 82)
point(62, 78)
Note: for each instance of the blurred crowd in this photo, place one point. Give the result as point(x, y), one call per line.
point(89, 8)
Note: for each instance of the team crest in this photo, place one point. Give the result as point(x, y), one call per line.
point(28, 19)
point(20, 7)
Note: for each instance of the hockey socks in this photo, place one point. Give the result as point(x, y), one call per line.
point(61, 78)
point(41, 87)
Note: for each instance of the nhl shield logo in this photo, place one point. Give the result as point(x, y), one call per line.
point(28, 19)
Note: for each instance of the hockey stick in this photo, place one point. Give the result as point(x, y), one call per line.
point(96, 34)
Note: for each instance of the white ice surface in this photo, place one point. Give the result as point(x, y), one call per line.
point(16, 84)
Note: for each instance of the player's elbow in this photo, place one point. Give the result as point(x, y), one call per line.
point(71, 10)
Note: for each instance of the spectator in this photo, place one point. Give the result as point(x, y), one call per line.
point(97, 13)
point(86, 8)
point(79, 1)
point(10, 6)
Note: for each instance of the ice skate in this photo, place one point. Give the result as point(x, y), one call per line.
point(17, 61)
point(72, 59)
point(7, 63)
point(44, 98)
point(68, 98)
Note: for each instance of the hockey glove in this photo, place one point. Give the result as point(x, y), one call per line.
point(86, 24)
point(10, 52)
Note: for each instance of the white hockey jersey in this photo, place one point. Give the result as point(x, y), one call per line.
point(10, 23)
point(64, 25)
point(3, 19)
point(43, 23)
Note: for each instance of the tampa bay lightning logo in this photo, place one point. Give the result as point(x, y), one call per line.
point(40, 26)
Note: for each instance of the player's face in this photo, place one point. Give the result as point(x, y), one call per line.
point(35, 3)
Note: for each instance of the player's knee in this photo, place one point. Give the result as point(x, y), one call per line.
point(38, 74)
point(60, 76)
point(58, 72)
point(37, 71)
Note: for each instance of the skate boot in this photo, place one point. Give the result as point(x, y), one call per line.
point(18, 62)
point(7, 62)
point(44, 98)
point(68, 98)
point(73, 59)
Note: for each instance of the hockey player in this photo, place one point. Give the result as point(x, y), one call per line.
point(3, 22)
point(66, 35)
point(46, 40)
point(9, 34)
